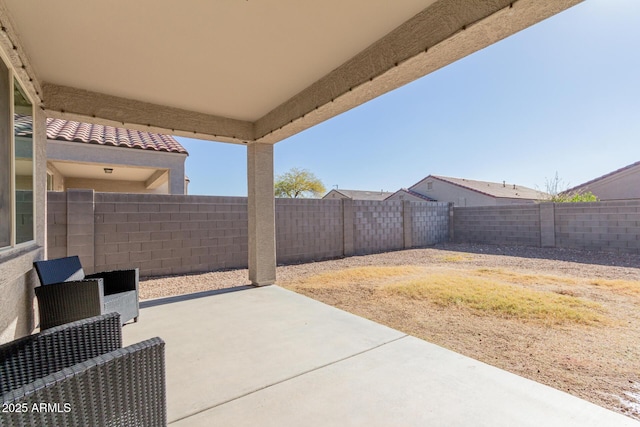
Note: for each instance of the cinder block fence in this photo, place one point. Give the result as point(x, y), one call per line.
point(600, 226)
point(172, 234)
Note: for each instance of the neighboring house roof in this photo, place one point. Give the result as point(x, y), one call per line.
point(363, 194)
point(72, 131)
point(413, 193)
point(601, 178)
point(493, 189)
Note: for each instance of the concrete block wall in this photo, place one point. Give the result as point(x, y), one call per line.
point(56, 224)
point(378, 226)
point(164, 234)
point(600, 226)
point(175, 234)
point(603, 226)
point(430, 223)
point(511, 225)
point(308, 229)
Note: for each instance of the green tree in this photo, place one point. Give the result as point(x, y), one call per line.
point(558, 192)
point(298, 183)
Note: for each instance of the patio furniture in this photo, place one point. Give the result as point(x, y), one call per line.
point(67, 294)
point(78, 375)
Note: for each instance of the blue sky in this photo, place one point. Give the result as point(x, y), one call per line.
point(561, 96)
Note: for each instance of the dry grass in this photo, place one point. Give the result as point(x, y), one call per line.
point(371, 275)
point(500, 299)
point(622, 287)
point(574, 327)
point(487, 291)
point(524, 278)
point(455, 258)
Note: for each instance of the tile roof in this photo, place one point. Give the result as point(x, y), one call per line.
point(364, 194)
point(415, 194)
point(72, 131)
point(607, 175)
point(493, 189)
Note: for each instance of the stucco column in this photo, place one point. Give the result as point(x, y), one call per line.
point(261, 210)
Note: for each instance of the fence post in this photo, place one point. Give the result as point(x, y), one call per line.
point(547, 225)
point(407, 224)
point(81, 227)
point(348, 218)
point(451, 227)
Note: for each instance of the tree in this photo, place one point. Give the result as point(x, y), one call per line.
point(298, 183)
point(558, 192)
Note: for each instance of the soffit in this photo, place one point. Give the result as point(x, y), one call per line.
point(241, 71)
point(232, 58)
point(96, 171)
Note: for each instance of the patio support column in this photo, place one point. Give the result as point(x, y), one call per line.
point(261, 210)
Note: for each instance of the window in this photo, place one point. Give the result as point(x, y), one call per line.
point(16, 162)
point(430, 185)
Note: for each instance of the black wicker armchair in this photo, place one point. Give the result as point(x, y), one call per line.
point(67, 294)
point(78, 375)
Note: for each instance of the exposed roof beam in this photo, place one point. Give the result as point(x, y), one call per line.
point(77, 104)
point(156, 179)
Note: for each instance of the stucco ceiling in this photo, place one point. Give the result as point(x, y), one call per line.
point(96, 171)
point(244, 70)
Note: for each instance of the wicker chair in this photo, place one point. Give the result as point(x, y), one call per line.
point(67, 294)
point(78, 375)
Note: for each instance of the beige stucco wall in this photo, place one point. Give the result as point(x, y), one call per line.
point(621, 186)
point(111, 186)
point(405, 196)
point(446, 192)
point(334, 195)
point(17, 279)
point(91, 153)
point(58, 178)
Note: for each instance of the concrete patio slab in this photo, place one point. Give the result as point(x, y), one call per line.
point(224, 346)
point(270, 357)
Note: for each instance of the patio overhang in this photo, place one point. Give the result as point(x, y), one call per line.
point(243, 71)
point(246, 72)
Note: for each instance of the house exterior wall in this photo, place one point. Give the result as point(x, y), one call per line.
point(450, 193)
point(17, 278)
point(113, 186)
point(333, 195)
point(92, 153)
point(624, 185)
point(403, 195)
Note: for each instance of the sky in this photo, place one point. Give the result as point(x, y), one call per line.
point(562, 96)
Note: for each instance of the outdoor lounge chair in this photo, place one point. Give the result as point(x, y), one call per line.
point(78, 375)
point(67, 295)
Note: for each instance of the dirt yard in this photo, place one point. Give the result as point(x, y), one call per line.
point(568, 319)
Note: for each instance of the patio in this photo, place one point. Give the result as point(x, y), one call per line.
point(270, 357)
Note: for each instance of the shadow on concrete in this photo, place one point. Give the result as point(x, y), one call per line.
point(557, 254)
point(187, 297)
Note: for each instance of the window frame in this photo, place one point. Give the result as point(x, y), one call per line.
point(13, 78)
